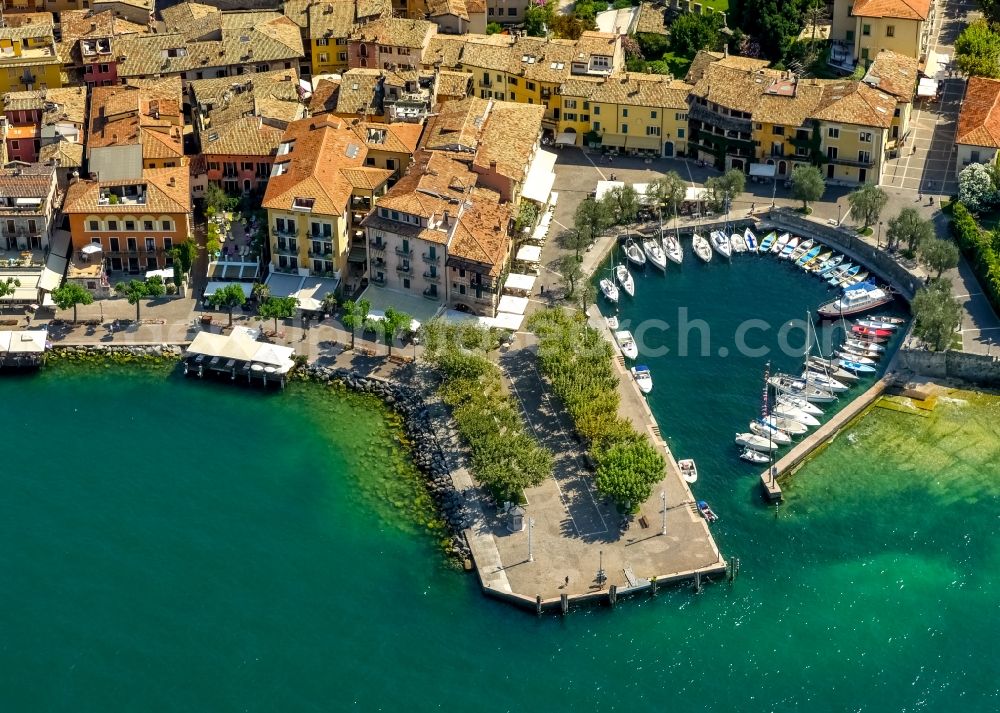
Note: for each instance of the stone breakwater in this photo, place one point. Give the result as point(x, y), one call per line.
point(116, 353)
point(419, 425)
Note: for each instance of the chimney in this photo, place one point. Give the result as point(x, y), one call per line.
point(93, 27)
point(446, 218)
point(493, 165)
point(171, 181)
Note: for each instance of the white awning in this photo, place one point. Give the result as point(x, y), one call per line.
point(91, 249)
point(541, 176)
point(762, 170)
point(529, 253)
point(566, 138)
point(937, 65)
point(927, 87)
point(378, 315)
point(212, 287)
point(167, 274)
point(50, 279)
point(504, 320)
point(517, 281)
point(605, 187)
point(512, 304)
point(693, 194)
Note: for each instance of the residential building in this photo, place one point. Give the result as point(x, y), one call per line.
point(860, 28)
point(330, 25)
point(28, 58)
point(28, 203)
point(897, 75)
point(978, 136)
point(643, 113)
point(138, 11)
point(136, 221)
point(240, 124)
point(41, 117)
point(401, 96)
point(324, 180)
point(392, 43)
point(201, 42)
point(453, 85)
point(458, 17)
point(86, 44)
point(440, 234)
point(506, 12)
point(135, 126)
point(60, 6)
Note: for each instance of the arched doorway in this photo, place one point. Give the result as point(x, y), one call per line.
point(668, 149)
point(737, 163)
point(782, 168)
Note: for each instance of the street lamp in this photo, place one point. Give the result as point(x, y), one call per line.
point(600, 569)
point(531, 525)
point(663, 502)
point(839, 208)
point(878, 239)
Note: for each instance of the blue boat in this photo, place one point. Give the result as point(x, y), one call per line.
point(809, 255)
point(751, 240)
point(841, 274)
point(768, 241)
point(856, 367)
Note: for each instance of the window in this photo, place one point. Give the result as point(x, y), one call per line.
point(129, 225)
point(322, 42)
point(342, 56)
point(866, 30)
point(896, 113)
point(864, 157)
point(778, 130)
point(569, 116)
point(831, 152)
point(406, 283)
point(112, 225)
point(168, 244)
point(584, 117)
point(93, 225)
point(490, 12)
point(974, 156)
point(512, 81)
point(569, 103)
point(530, 86)
point(890, 31)
point(115, 245)
point(167, 225)
point(14, 145)
point(512, 11)
point(147, 225)
point(213, 165)
point(680, 133)
point(324, 57)
point(132, 245)
point(652, 115)
point(150, 245)
point(597, 126)
point(833, 133)
point(652, 131)
point(624, 128)
point(759, 127)
point(625, 113)
point(865, 137)
point(597, 109)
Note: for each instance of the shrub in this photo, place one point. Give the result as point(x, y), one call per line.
point(977, 246)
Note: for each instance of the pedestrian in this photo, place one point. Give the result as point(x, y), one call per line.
point(27, 318)
point(567, 580)
point(752, 206)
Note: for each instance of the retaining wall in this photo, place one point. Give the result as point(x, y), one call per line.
point(974, 368)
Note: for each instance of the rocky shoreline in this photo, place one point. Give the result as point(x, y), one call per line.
point(425, 449)
point(116, 353)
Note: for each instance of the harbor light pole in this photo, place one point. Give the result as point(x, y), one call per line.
point(531, 524)
point(878, 238)
point(663, 502)
point(600, 569)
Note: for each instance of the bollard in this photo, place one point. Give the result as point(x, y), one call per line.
point(653, 582)
point(564, 603)
point(538, 604)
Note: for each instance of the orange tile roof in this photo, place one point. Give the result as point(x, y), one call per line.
point(168, 190)
point(979, 118)
point(901, 9)
point(893, 73)
point(129, 113)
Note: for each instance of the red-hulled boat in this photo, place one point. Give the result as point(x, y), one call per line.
point(869, 332)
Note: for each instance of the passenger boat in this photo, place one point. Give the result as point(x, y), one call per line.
point(767, 241)
point(751, 240)
point(701, 247)
point(784, 410)
point(828, 264)
point(706, 511)
point(624, 278)
point(877, 334)
point(721, 243)
point(854, 300)
point(852, 365)
point(643, 378)
point(672, 247)
point(808, 257)
point(655, 253)
point(627, 344)
point(609, 290)
point(876, 323)
point(789, 248)
point(755, 442)
point(689, 471)
point(781, 243)
point(752, 456)
point(634, 253)
point(770, 432)
point(788, 425)
point(801, 404)
point(737, 243)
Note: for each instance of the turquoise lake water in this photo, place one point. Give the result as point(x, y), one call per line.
point(180, 545)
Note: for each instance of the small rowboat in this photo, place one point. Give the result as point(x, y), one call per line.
point(767, 242)
point(851, 365)
point(869, 332)
point(780, 243)
point(751, 240)
point(789, 248)
point(738, 244)
point(689, 471)
point(752, 456)
point(706, 511)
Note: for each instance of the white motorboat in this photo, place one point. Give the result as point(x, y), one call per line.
point(889, 319)
point(795, 386)
point(701, 247)
point(852, 365)
point(751, 240)
point(821, 367)
point(752, 456)
point(672, 246)
point(789, 247)
point(655, 253)
point(771, 433)
point(643, 378)
point(855, 357)
point(689, 471)
point(875, 323)
point(780, 243)
point(627, 344)
point(737, 243)
point(755, 442)
point(801, 404)
point(801, 250)
point(624, 278)
point(788, 425)
point(823, 381)
point(861, 349)
point(787, 411)
point(612, 323)
point(862, 344)
point(859, 298)
point(721, 243)
point(609, 290)
point(634, 253)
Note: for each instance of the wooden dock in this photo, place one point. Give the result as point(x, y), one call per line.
point(791, 461)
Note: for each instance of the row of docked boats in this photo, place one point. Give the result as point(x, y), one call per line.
point(626, 342)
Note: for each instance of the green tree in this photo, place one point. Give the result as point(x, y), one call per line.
point(807, 185)
point(260, 291)
point(8, 286)
point(627, 471)
point(592, 218)
point(392, 324)
point(183, 255)
point(575, 240)
point(567, 28)
point(774, 23)
point(218, 201)
point(690, 33)
point(137, 290)
point(652, 45)
point(570, 272)
point(867, 203)
point(277, 308)
point(977, 50)
point(229, 298)
point(668, 191)
point(70, 295)
point(329, 302)
point(355, 316)
point(587, 294)
point(536, 19)
point(493, 28)
point(908, 229)
point(938, 255)
point(723, 190)
point(623, 204)
point(936, 313)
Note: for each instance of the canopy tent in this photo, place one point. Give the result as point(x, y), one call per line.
point(605, 187)
point(541, 176)
point(694, 195)
point(515, 281)
point(212, 287)
point(242, 345)
point(512, 304)
point(529, 253)
point(504, 320)
point(91, 249)
point(642, 189)
point(763, 170)
point(937, 65)
point(566, 138)
point(645, 143)
point(167, 275)
point(927, 88)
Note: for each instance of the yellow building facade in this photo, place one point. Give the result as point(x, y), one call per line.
point(28, 59)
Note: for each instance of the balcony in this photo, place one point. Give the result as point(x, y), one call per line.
point(285, 248)
point(285, 232)
point(405, 269)
point(853, 162)
point(432, 277)
point(404, 252)
point(377, 280)
point(377, 244)
point(701, 113)
point(431, 259)
point(28, 79)
point(379, 262)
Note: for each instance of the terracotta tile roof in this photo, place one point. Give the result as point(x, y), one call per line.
point(893, 73)
point(510, 138)
point(331, 19)
point(902, 9)
point(703, 59)
point(246, 136)
point(357, 89)
point(367, 178)
point(631, 89)
point(446, 50)
point(76, 24)
point(481, 235)
point(437, 8)
point(28, 30)
point(65, 153)
point(651, 20)
point(61, 104)
point(788, 102)
point(24, 101)
point(979, 118)
point(596, 43)
point(274, 96)
point(733, 88)
point(192, 18)
point(297, 11)
point(395, 32)
point(324, 97)
point(454, 84)
point(18, 19)
point(168, 190)
point(475, 7)
point(146, 112)
point(855, 103)
point(397, 138)
point(321, 149)
point(32, 181)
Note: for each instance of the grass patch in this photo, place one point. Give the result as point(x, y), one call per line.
point(865, 231)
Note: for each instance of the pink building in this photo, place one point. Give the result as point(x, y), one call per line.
point(391, 43)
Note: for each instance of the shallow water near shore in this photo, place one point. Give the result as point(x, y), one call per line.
point(175, 544)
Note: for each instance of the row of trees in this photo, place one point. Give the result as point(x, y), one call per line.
point(505, 457)
point(981, 248)
point(577, 361)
